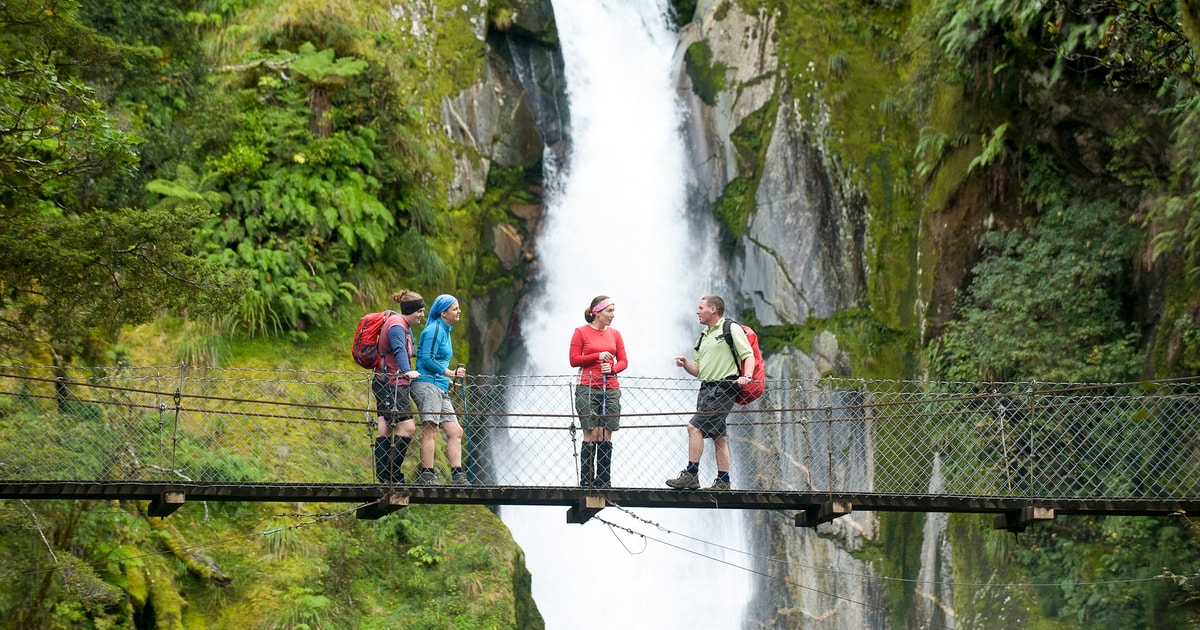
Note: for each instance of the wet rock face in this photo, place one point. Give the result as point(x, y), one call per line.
point(744, 50)
point(492, 123)
point(802, 255)
point(534, 19)
point(514, 116)
point(515, 109)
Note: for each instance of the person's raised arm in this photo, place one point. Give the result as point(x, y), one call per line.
point(688, 365)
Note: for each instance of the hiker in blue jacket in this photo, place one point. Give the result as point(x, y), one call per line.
point(431, 390)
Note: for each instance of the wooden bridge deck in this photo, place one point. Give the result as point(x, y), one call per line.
point(811, 508)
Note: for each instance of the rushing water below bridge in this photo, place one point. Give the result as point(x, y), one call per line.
point(1115, 448)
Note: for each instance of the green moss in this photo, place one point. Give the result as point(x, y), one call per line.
point(164, 597)
point(875, 349)
point(980, 554)
point(751, 139)
point(722, 10)
point(528, 617)
point(136, 585)
point(1176, 346)
point(825, 48)
point(707, 75)
point(738, 199)
point(897, 553)
point(734, 206)
point(472, 225)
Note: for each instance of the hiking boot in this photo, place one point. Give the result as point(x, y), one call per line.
point(426, 478)
point(719, 484)
point(459, 478)
point(587, 464)
point(604, 453)
point(685, 481)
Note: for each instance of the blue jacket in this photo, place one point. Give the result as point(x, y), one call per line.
point(434, 350)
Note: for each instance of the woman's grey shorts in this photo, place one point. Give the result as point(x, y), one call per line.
point(598, 407)
point(433, 403)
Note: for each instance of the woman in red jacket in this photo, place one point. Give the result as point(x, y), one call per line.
point(598, 350)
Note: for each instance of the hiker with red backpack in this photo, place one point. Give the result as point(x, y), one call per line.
point(394, 372)
point(724, 361)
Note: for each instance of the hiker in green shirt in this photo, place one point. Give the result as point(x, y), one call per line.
point(720, 380)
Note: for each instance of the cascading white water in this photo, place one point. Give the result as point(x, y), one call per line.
point(617, 225)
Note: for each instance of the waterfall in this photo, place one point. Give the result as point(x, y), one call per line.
point(935, 598)
point(618, 224)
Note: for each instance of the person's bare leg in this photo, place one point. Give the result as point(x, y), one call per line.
point(695, 444)
point(454, 433)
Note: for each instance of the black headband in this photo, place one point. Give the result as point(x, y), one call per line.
point(408, 307)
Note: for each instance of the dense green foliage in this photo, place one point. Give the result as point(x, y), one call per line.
point(109, 565)
point(1032, 165)
point(298, 191)
point(1119, 556)
point(306, 187)
point(307, 144)
point(1065, 321)
point(187, 145)
point(75, 264)
point(266, 164)
point(1055, 296)
point(1054, 300)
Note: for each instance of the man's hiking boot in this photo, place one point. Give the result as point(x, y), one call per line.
point(459, 478)
point(685, 481)
point(426, 478)
point(719, 484)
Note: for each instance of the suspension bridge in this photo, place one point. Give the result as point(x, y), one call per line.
point(1024, 452)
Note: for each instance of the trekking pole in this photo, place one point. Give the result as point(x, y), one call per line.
point(467, 460)
point(571, 430)
point(603, 393)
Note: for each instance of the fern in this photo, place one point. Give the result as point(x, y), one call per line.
point(994, 150)
point(931, 147)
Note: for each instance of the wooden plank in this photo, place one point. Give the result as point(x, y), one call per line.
point(387, 504)
point(1020, 520)
point(824, 512)
point(165, 504)
point(585, 509)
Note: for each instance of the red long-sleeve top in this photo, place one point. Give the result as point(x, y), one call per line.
point(586, 345)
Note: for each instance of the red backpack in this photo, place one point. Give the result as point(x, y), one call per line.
point(365, 348)
point(753, 390)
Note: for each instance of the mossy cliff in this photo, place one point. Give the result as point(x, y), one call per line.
point(855, 154)
point(859, 153)
point(414, 103)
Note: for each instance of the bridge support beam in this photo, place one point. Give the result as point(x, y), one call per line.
point(823, 513)
point(587, 507)
point(386, 504)
point(165, 504)
point(1016, 522)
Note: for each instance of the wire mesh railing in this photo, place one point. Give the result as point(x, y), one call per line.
point(1043, 441)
